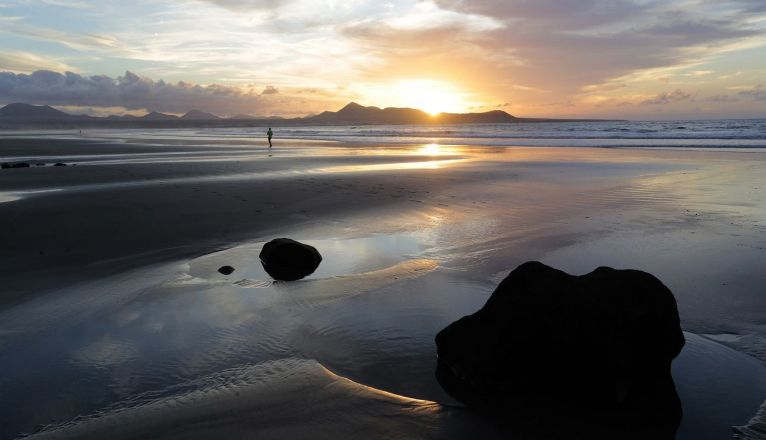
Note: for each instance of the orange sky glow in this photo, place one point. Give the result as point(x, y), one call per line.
point(637, 59)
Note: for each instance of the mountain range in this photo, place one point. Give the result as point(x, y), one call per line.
point(26, 115)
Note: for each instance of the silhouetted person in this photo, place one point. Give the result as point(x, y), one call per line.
point(269, 134)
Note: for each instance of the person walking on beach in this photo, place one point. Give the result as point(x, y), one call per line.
point(269, 134)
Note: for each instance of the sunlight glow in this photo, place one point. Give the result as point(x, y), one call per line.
point(431, 96)
point(430, 150)
point(434, 149)
point(421, 165)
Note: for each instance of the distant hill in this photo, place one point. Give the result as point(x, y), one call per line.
point(354, 113)
point(198, 115)
point(157, 116)
point(490, 117)
point(261, 118)
point(38, 112)
point(25, 115)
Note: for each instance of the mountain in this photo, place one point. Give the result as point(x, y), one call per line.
point(354, 113)
point(198, 115)
point(25, 115)
point(261, 118)
point(242, 116)
point(37, 112)
point(156, 116)
point(490, 117)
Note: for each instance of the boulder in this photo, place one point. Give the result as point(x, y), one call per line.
point(59, 164)
point(226, 270)
point(594, 350)
point(288, 260)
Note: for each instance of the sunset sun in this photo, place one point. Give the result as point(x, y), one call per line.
point(431, 96)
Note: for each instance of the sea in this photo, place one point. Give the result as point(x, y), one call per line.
point(674, 134)
point(727, 133)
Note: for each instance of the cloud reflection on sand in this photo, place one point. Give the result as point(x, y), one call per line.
point(6, 197)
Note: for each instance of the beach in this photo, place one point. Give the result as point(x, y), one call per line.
point(117, 324)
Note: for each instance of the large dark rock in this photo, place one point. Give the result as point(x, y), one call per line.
point(594, 350)
point(288, 260)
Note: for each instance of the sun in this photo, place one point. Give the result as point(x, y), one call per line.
point(431, 96)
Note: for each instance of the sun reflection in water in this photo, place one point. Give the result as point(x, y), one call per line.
point(431, 150)
point(429, 165)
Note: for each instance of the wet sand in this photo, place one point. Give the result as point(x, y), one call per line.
point(114, 315)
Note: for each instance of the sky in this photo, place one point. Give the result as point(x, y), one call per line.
point(634, 59)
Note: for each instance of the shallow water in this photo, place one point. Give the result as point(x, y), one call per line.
point(149, 338)
point(171, 351)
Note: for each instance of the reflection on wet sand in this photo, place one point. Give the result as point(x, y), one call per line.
point(414, 238)
point(8, 197)
point(286, 398)
point(420, 165)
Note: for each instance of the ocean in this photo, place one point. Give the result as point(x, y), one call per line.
point(740, 133)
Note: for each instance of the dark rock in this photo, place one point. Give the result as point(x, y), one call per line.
point(14, 165)
point(226, 270)
point(59, 164)
point(594, 350)
point(288, 260)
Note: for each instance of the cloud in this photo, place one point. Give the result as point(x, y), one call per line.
point(757, 93)
point(668, 97)
point(68, 4)
point(536, 54)
point(564, 46)
point(567, 15)
point(244, 5)
point(270, 90)
point(129, 91)
point(25, 62)
point(721, 98)
point(77, 41)
point(698, 73)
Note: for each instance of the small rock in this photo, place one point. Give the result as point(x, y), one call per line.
point(288, 260)
point(59, 164)
point(226, 270)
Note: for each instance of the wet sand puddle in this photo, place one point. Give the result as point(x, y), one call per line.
point(200, 353)
point(142, 346)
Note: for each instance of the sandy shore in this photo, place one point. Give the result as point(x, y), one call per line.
point(113, 311)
